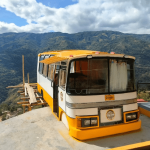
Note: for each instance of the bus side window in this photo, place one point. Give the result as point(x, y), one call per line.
point(62, 82)
point(41, 57)
point(72, 67)
point(51, 56)
point(46, 56)
point(41, 68)
point(51, 72)
point(45, 70)
point(41, 64)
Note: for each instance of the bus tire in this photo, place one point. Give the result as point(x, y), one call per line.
point(64, 120)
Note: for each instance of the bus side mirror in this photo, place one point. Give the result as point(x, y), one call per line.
point(52, 84)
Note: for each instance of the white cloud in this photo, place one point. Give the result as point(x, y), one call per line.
point(4, 27)
point(128, 16)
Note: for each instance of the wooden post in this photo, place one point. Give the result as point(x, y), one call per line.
point(28, 77)
point(23, 70)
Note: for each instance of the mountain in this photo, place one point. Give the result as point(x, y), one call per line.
point(14, 45)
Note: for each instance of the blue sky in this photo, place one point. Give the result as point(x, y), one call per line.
point(57, 3)
point(9, 17)
point(72, 16)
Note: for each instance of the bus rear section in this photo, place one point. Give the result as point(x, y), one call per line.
point(96, 95)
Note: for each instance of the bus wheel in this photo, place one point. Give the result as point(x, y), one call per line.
point(64, 120)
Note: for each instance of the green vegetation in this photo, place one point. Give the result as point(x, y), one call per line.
point(144, 95)
point(4, 117)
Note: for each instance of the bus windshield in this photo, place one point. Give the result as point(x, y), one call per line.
point(100, 76)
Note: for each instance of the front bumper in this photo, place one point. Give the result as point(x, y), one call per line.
point(104, 131)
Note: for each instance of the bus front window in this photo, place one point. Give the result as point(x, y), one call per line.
point(88, 76)
point(121, 75)
point(100, 76)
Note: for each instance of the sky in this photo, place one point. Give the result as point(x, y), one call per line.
point(73, 16)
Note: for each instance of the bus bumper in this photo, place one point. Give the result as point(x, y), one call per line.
point(104, 131)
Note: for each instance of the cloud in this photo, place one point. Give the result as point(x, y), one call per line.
point(127, 16)
point(4, 27)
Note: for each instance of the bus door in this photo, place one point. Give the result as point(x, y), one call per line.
point(55, 90)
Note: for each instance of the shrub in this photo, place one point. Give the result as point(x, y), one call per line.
point(4, 117)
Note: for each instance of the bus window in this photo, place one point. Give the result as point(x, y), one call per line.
point(45, 70)
point(63, 63)
point(52, 55)
point(72, 66)
point(47, 56)
point(57, 67)
point(88, 76)
point(41, 64)
point(62, 78)
point(130, 78)
point(41, 57)
point(51, 72)
point(98, 76)
point(121, 75)
point(41, 68)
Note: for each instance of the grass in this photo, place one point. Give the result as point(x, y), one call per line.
point(144, 95)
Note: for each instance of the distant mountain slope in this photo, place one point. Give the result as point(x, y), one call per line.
point(14, 45)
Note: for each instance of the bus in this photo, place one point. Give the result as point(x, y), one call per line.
point(93, 93)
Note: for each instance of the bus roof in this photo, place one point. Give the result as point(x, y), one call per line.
point(67, 53)
point(71, 54)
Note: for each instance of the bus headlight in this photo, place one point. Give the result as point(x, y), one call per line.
point(131, 116)
point(87, 122)
point(93, 121)
point(134, 116)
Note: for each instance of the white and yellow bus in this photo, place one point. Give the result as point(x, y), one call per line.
point(93, 93)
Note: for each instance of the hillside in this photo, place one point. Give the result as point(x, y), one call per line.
point(14, 45)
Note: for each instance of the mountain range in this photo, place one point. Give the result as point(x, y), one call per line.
point(14, 45)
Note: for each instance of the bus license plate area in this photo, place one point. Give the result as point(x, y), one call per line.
point(110, 115)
